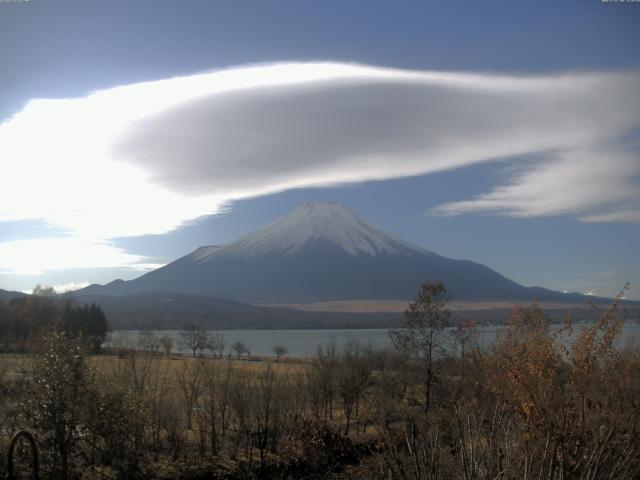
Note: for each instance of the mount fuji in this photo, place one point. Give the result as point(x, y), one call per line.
point(321, 252)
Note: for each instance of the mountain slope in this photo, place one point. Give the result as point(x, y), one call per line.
point(322, 251)
point(6, 295)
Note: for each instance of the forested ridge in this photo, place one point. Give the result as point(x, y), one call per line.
point(26, 320)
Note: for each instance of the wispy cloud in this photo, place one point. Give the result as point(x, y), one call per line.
point(144, 158)
point(624, 216)
point(568, 182)
point(69, 287)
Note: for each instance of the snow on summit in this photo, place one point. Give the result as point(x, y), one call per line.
point(310, 222)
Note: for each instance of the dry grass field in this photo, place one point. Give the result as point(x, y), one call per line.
point(527, 407)
point(400, 306)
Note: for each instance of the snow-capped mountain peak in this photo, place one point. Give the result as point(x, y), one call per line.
point(314, 222)
point(319, 252)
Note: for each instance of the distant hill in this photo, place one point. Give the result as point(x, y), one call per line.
point(6, 295)
point(172, 310)
point(322, 252)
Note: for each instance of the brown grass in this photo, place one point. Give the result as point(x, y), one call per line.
point(400, 306)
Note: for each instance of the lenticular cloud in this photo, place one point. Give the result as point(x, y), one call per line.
point(143, 158)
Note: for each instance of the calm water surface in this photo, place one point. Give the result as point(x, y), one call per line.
point(304, 343)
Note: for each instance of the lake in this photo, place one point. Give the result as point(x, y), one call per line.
point(304, 343)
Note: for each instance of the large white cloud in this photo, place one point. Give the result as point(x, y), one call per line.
point(34, 256)
point(143, 158)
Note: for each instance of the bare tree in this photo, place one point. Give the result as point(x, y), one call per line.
point(465, 335)
point(167, 344)
point(279, 350)
point(224, 395)
point(241, 402)
point(209, 401)
point(240, 348)
point(269, 405)
point(135, 365)
point(218, 345)
point(190, 384)
point(352, 378)
point(159, 404)
point(148, 342)
point(195, 338)
point(421, 335)
point(321, 381)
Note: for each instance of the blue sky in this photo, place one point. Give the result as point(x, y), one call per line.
point(497, 205)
